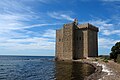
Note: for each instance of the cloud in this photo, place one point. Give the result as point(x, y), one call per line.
point(19, 21)
point(39, 25)
point(111, 32)
point(106, 43)
point(106, 27)
point(60, 16)
point(111, 0)
point(28, 44)
point(42, 1)
point(45, 42)
point(67, 17)
point(8, 21)
point(14, 14)
point(50, 33)
point(16, 19)
point(14, 6)
point(16, 22)
point(102, 24)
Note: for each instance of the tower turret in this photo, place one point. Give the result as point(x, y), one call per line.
point(75, 21)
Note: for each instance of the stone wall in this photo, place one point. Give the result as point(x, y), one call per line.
point(92, 44)
point(78, 44)
point(59, 44)
point(85, 43)
point(68, 41)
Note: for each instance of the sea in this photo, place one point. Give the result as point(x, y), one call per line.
point(42, 68)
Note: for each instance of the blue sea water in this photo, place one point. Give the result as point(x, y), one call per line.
point(41, 68)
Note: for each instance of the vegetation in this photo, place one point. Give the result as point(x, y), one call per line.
point(118, 58)
point(115, 51)
point(96, 59)
point(105, 57)
point(105, 60)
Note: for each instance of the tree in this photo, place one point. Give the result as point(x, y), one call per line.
point(115, 50)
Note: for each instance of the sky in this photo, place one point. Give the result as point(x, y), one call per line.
point(28, 27)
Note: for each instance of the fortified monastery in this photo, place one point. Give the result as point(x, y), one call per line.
point(75, 41)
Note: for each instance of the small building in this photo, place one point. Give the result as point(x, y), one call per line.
point(75, 41)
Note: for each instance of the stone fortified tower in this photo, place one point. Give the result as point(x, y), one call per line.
point(75, 41)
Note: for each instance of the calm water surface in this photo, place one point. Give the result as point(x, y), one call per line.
point(41, 68)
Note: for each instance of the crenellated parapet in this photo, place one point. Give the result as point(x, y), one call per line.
point(88, 26)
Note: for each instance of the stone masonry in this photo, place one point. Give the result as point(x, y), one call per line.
point(75, 41)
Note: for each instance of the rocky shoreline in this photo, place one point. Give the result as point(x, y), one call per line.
point(97, 74)
point(98, 71)
point(103, 71)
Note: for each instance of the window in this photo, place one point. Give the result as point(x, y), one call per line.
point(79, 38)
point(59, 40)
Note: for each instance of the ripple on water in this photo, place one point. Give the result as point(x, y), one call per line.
point(42, 68)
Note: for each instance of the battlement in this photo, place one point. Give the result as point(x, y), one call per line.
point(81, 26)
point(88, 26)
point(68, 24)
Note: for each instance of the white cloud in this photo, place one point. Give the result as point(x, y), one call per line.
point(46, 42)
point(106, 27)
point(59, 15)
point(111, 32)
point(102, 24)
point(13, 14)
point(15, 6)
point(43, 1)
point(106, 43)
point(28, 44)
point(15, 18)
point(50, 33)
point(39, 25)
point(110, 0)
point(67, 17)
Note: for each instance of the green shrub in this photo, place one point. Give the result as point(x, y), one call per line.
point(96, 59)
point(105, 60)
point(101, 57)
point(108, 58)
point(115, 51)
point(104, 57)
point(118, 58)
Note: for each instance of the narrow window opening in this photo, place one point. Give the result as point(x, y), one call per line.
point(59, 40)
point(79, 38)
